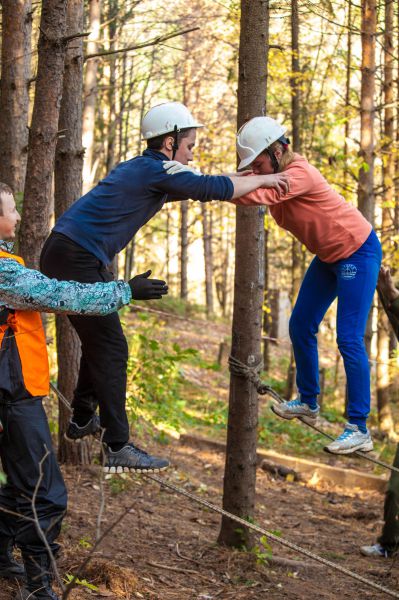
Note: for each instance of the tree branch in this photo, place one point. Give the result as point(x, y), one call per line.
point(153, 42)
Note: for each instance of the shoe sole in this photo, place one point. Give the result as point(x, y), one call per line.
point(133, 470)
point(361, 448)
point(372, 554)
point(96, 436)
point(305, 418)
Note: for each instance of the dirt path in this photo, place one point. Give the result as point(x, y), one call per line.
point(165, 547)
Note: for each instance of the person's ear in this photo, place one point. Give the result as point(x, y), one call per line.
point(168, 143)
point(278, 153)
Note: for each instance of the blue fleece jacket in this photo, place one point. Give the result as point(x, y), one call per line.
point(106, 218)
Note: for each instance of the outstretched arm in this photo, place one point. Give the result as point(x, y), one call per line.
point(244, 185)
point(26, 289)
point(184, 174)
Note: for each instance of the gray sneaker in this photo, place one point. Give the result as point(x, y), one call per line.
point(75, 433)
point(295, 408)
point(130, 458)
point(376, 550)
point(350, 440)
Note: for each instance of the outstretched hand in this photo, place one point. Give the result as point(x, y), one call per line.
point(279, 182)
point(144, 288)
point(174, 166)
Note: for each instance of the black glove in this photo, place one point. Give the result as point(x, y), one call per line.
point(147, 289)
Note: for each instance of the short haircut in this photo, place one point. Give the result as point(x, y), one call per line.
point(4, 189)
point(156, 143)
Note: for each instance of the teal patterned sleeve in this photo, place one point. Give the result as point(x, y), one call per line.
point(27, 289)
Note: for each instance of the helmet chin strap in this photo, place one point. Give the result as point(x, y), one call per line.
point(175, 146)
point(273, 160)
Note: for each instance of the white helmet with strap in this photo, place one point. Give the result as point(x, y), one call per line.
point(168, 117)
point(255, 136)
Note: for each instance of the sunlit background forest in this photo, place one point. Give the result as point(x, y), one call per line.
point(137, 53)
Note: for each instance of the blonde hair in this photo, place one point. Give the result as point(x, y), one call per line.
point(287, 157)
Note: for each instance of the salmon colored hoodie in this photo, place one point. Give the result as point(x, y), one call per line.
point(314, 213)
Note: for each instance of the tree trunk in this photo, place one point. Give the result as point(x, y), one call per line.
point(112, 120)
point(296, 250)
point(367, 111)
point(183, 249)
point(67, 189)
point(14, 98)
point(90, 94)
point(43, 131)
point(348, 93)
point(208, 257)
point(240, 469)
point(385, 419)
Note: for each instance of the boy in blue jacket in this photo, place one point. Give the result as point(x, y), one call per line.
point(86, 239)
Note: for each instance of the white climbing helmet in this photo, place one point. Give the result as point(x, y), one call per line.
point(255, 136)
point(164, 118)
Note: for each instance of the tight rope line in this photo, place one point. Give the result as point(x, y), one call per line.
point(273, 537)
point(252, 374)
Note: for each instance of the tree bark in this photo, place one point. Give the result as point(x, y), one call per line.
point(67, 189)
point(14, 98)
point(367, 111)
point(296, 251)
point(43, 131)
point(240, 469)
point(385, 419)
point(90, 94)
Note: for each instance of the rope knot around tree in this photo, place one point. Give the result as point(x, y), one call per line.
point(240, 369)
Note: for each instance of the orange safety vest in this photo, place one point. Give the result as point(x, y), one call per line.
point(28, 334)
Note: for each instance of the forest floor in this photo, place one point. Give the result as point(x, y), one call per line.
point(165, 547)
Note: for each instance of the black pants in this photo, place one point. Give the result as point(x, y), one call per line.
point(22, 446)
point(390, 532)
point(102, 373)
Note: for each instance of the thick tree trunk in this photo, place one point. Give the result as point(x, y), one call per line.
point(90, 94)
point(43, 131)
point(183, 249)
point(67, 189)
point(385, 419)
point(14, 98)
point(240, 470)
point(208, 257)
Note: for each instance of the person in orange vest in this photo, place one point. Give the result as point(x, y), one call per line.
point(33, 477)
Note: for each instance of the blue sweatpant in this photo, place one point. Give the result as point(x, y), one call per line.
point(353, 281)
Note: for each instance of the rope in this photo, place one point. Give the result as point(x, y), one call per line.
point(273, 537)
point(240, 369)
point(252, 374)
point(61, 397)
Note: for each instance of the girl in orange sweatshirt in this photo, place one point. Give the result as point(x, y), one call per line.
point(346, 265)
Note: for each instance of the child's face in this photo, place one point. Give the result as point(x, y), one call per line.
point(10, 217)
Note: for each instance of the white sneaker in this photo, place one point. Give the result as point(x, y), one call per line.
point(295, 408)
point(350, 440)
point(374, 551)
